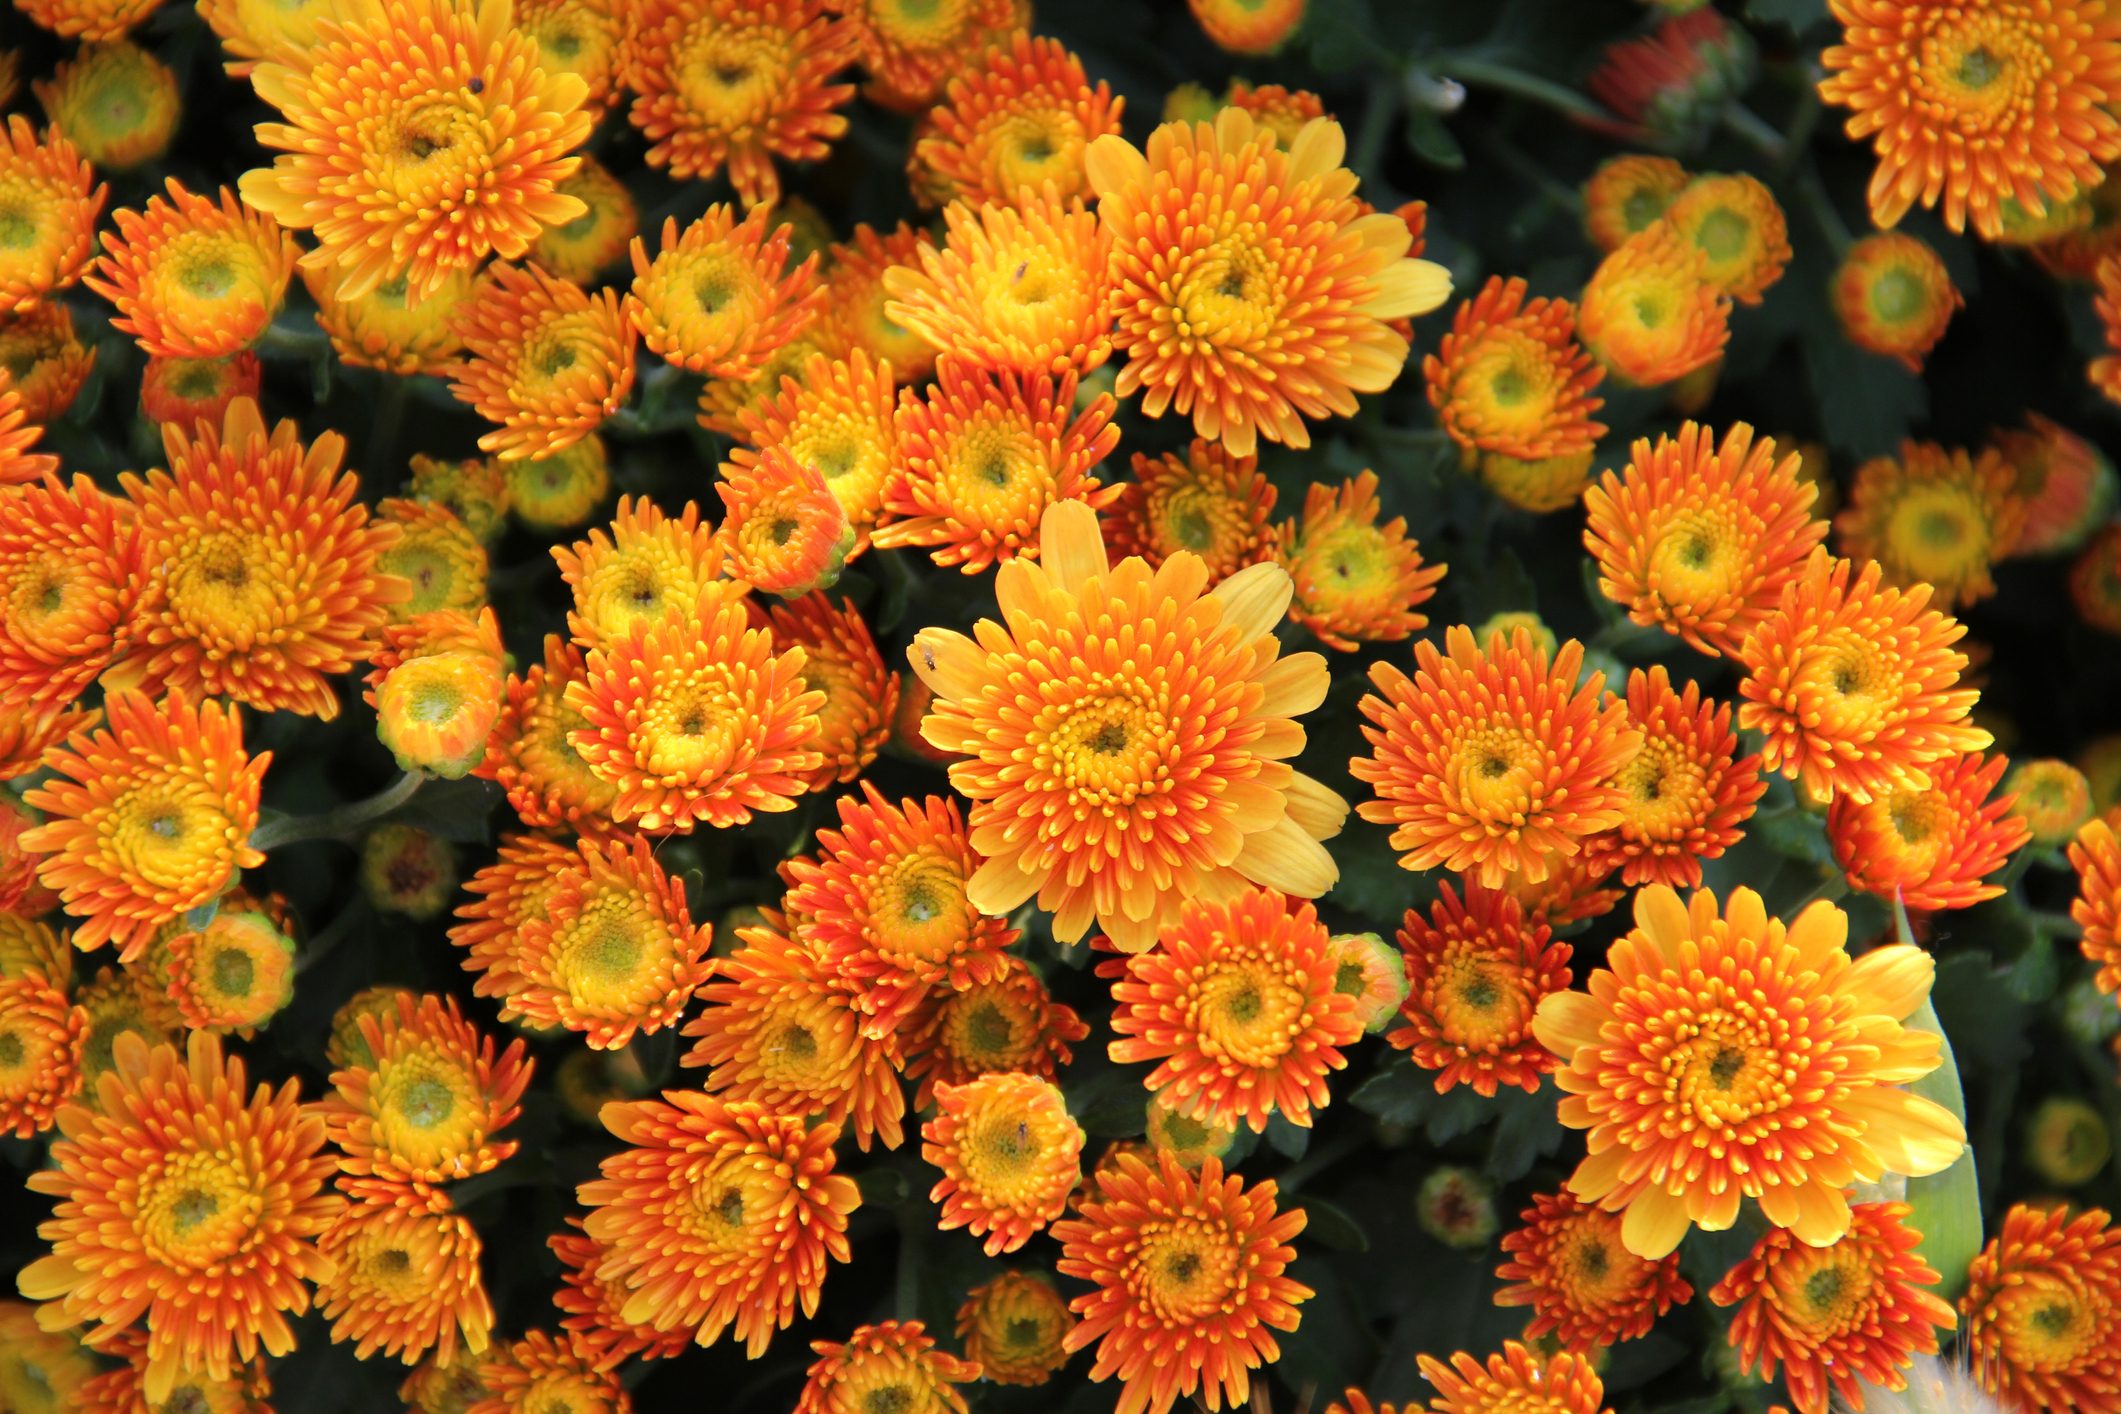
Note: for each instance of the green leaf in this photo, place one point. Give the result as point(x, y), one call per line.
point(1331, 1226)
point(1528, 1132)
point(886, 1188)
point(1402, 1094)
point(1799, 15)
point(1432, 141)
point(1867, 403)
point(1288, 1140)
point(1946, 1207)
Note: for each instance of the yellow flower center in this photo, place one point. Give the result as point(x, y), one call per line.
point(433, 151)
point(2047, 1322)
point(733, 77)
point(1498, 776)
point(994, 473)
point(1028, 147)
point(694, 728)
point(1899, 296)
point(435, 565)
point(1245, 1012)
point(917, 906)
point(730, 1204)
point(1480, 1002)
point(231, 589)
point(1593, 1266)
point(198, 1209)
point(44, 595)
point(1937, 532)
point(1666, 790)
point(168, 834)
point(1507, 384)
point(1204, 518)
point(1827, 1290)
point(637, 584)
point(984, 1033)
point(1846, 682)
point(1012, 1159)
point(429, 1115)
point(1980, 73)
point(920, 24)
point(613, 956)
point(1228, 293)
point(1106, 749)
point(1926, 825)
point(1347, 568)
point(1722, 1062)
point(802, 1045)
point(561, 361)
point(1185, 1269)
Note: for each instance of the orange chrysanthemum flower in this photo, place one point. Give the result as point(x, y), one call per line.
point(1098, 785)
point(1020, 284)
point(1852, 684)
point(1685, 795)
point(779, 1029)
point(425, 1107)
point(615, 951)
point(27, 732)
point(197, 389)
point(1708, 1037)
point(92, 21)
point(538, 1374)
point(2066, 484)
point(1237, 1005)
point(579, 37)
point(438, 555)
point(192, 278)
point(736, 82)
point(2043, 1310)
point(420, 138)
point(407, 1278)
point(1650, 313)
point(1014, 1328)
point(2096, 855)
point(387, 329)
point(1929, 848)
point(19, 466)
point(717, 1216)
point(1893, 296)
point(1189, 1270)
point(909, 50)
point(542, 360)
point(245, 1389)
point(1008, 1023)
point(48, 1372)
point(1493, 761)
point(1626, 195)
point(42, 1036)
point(840, 659)
point(783, 531)
point(1010, 1154)
point(837, 419)
point(1510, 377)
point(71, 568)
point(1733, 220)
point(1700, 539)
point(1933, 516)
point(1476, 971)
point(720, 298)
point(551, 494)
point(530, 753)
point(591, 1305)
point(1251, 285)
point(1978, 104)
point(890, 1365)
point(697, 722)
point(647, 568)
point(1357, 581)
point(984, 456)
point(233, 975)
point(884, 902)
point(1279, 110)
point(267, 577)
point(2095, 581)
point(1569, 1265)
point(116, 102)
point(1248, 26)
point(508, 894)
point(189, 1201)
point(582, 249)
point(1207, 502)
point(255, 30)
point(855, 298)
point(1020, 120)
point(1514, 1382)
point(52, 193)
point(437, 689)
point(147, 817)
point(1851, 1315)
point(46, 362)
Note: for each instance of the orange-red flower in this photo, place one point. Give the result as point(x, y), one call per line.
point(1253, 289)
point(855, 298)
point(147, 817)
point(736, 83)
point(192, 278)
point(26, 732)
point(1206, 501)
point(883, 900)
point(984, 455)
point(267, 579)
point(539, 1373)
point(530, 754)
point(407, 1278)
point(1511, 378)
point(2096, 856)
point(19, 466)
point(1893, 296)
point(426, 1104)
point(1569, 1265)
point(1098, 784)
point(42, 1036)
point(614, 952)
point(418, 139)
point(591, 1305)
point(1851, 684)
point(835, 418)
point(513, 891)
point(1514, 1382)
point(1978, 105)
point(780, 1029)
point(1711, 1035)
point(47, 363)
point(783, 531)
point(1013, 1328)
point(1686, 793)
point(1933, 516)
point(909, 50)
point(2043, 1310)
point(1018, 120)
point(1851, 1315)
point(72, 574)
point(1248, 26)
point(697, 722)
point(1237, 1005)
point(53, 194)
point(387, 329)
point(187, 1200)
point(1930, 848)
point(1733, 220)
point(1626, 194)
point(1020, 283)
point(1190, 1277)
point(890, 1365)
point(1357, 581)
point(717, 1216)
point(543, 361)
point(720, 299)
point(1010, 1154)
point(646, 568)
point(1650, 313)
point(1476, 971)
point(92, 21)
point(1009, 1023)
point(2066, 484)
point(234, 974)
point(840, 659)
point(1492, 761)
point(197, 389)
point(116, 102)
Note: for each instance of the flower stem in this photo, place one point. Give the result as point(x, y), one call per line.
point(341, 822)
point(390, 415)
point(1483, 73)
point(284, 341)
point(1813, 194)
point(1745, 123)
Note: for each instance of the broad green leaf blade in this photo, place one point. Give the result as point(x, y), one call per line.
point(1946, 1207)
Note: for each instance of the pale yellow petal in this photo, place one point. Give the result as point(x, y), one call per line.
point(1318, 147)
point(1318, 811)
point(1662, 920)
point(998, 888)
point(1295, 685)
point(1256, 598)
point(1287, 859)
point(1822, 1215)
point(1071, 545)
point(1566, 1022)
point(1820, 930)
point(1909, 1134)
point(1654, 1224)
point(1406, 288)
point(1892, 980)
point(951, 664)
point(1112, 164)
